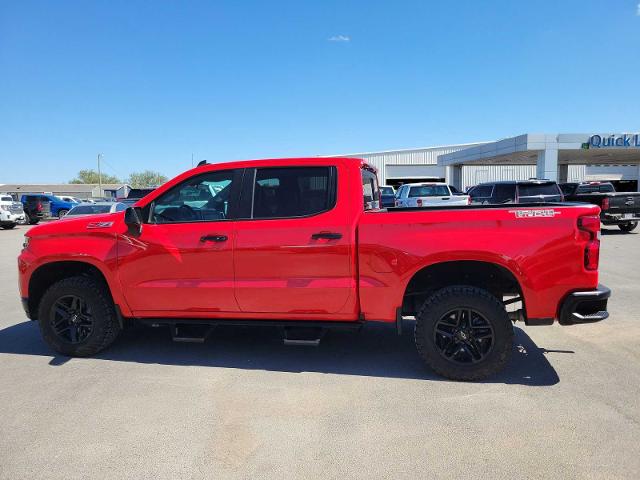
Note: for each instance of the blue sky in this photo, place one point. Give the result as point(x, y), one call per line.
point(149, 83)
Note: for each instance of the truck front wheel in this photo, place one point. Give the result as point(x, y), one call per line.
point(77, 317)
point(464, 333)
point(628, 227)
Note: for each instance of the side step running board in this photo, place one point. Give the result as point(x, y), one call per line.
point(190, 333)
point(303, 336)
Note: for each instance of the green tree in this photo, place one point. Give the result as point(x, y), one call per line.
point(91, 176)
point(148, 178)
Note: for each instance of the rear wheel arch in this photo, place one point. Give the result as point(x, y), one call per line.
point(493, 277)
point(49, 273)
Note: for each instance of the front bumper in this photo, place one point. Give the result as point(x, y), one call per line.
point(11, 218)
point(585, 307)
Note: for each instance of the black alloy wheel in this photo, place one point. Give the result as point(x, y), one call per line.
point(71, 319)
point(463, 336)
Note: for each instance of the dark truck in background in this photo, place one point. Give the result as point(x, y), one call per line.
point(616, 208)
point(36, 207)
point(515, 191)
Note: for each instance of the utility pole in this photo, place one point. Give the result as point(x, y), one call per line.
point(99, 177)
point(192, 160)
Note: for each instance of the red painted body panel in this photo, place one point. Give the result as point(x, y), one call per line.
point(544, 254)
point(272, 269)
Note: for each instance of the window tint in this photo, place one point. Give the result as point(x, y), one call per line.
point(202, 198)
point(534, 189)
point(481, 191)
point(293, 192)
point(503, 193)
point(370, 192)
point(386, 190)
point(120, 207)
point(454, 190)
point(567, 188)
point(6, 199)
point(429, 191)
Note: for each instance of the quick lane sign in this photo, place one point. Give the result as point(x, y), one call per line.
point(613, 141)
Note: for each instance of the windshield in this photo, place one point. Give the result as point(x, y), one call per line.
point(6, 199)
point(429, 191)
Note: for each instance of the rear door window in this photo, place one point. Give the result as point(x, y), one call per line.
point(503, 193)
point(293, 191)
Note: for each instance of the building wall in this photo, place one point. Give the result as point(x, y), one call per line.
point(418, 156)
point(406, 163)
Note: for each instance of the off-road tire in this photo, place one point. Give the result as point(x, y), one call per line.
point(628, 227)
point(105, 321)
point(450, 298)
point(33, 221)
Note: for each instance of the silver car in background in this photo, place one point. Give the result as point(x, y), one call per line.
point(94, 208)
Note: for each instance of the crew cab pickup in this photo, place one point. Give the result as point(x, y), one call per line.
point(616, 208)
point(302, 244)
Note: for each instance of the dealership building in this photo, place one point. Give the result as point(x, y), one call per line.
point(564, 157)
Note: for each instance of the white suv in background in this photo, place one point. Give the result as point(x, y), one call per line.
point(428, 194)
point(10, 212)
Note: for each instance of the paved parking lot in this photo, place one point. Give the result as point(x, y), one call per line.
point(359, 406)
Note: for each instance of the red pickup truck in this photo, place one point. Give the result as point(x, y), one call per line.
point(302, 244)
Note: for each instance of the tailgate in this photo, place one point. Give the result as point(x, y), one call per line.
point(624, 203)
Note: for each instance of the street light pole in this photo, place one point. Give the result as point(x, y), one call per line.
point(99, 177)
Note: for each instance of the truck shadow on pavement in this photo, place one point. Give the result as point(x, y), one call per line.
point(375, 351)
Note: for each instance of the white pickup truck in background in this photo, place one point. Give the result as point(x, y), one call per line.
point(429, 194)
point(11, 212)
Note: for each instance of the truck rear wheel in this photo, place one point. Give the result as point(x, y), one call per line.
point(464, 333)
point(628, 227)
point(77, 317)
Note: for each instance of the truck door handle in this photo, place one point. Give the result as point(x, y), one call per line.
point(326, 235)
point(213, 238)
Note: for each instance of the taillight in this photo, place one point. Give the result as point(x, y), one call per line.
point(419, 202)
point(468, 200)
point(39, 207)
point(605, 203)
point(589, 227)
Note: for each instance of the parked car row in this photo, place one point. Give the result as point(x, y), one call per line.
point(34, 207)
point(617, 208)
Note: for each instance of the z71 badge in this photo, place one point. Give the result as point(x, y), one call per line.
point(535, 213)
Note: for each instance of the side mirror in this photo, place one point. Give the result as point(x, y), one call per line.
point(132, 220)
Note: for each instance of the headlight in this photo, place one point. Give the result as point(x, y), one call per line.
point(25, 242)
point(4, 207)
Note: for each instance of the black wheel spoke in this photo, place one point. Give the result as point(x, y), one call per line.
point(71, 319)
point(463, 336)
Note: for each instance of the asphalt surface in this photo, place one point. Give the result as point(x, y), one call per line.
point(361, 405)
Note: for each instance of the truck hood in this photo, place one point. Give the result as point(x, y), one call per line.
point(99, 221)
